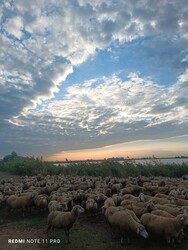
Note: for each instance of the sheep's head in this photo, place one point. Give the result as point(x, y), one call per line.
point(151, 206)
point(142, 231)
point(172, 199)
point(142, 197)
point(90, 202)
point(78, 210)
point(33, 195)
point(184, 219)
point(64, 207)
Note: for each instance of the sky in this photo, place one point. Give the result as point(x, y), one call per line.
point(84, 79)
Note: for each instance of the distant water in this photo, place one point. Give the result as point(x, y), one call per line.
point(169, 161)
point(143, 161)
point(166, 160)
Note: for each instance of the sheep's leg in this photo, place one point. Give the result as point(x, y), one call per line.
point(170, 242)
point(128, 240)
point(8, 211)
point(122, 240)
point(48, 228)
point(67, 236)
point(23, 214)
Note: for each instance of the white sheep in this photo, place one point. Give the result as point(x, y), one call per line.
point(64, 220)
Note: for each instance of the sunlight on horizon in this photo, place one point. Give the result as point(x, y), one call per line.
point(168, 147)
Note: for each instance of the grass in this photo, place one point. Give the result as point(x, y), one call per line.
point(33, 166)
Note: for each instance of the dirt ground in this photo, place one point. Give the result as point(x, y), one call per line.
point(86, 234)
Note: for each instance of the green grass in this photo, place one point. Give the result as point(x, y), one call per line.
point(32, 166)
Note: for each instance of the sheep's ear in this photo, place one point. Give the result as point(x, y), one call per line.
point(138, 230)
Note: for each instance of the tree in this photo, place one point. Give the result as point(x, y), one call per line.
point(10, 157)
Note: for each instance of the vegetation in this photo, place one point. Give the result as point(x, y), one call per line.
point(32, 166)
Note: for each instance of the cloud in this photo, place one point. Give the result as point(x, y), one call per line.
point(105, 111)
point(14, 26)
point(35, 34)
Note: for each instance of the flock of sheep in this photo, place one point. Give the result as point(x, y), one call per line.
point(141, 206)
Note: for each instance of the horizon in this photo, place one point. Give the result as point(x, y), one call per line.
point(88, 79)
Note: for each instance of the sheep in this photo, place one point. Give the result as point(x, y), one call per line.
point(171, 228)
point(91, 206)
point(100, 199)
point(41, 202)
point(131, 197)
point(139, 211)
point(124, 221)
point(139, 208)
point(162, 213)
point(110, 211)
point(166, 214)
point(117, 199)
point(65, 201)
point(78, 196)
point(56, 206)
point(108, 203)
point(2, 200)
point(116, 188)
point(23, 202)
point(181, 202)
point(65, 220)
point(173, 210)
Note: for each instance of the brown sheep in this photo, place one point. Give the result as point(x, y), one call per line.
point(65, 220)
point(116, 188)
point(56, 206)
point(23, 202)
point(41, 202)
point(173, 210)
point(139, 211)
point(171, 228)
point(110, 211)
point(123, 221)
point(162, 213)
point(181, 202)
point(117, 199)
point(108, 203)
point(91, 206)
point(65, 201)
